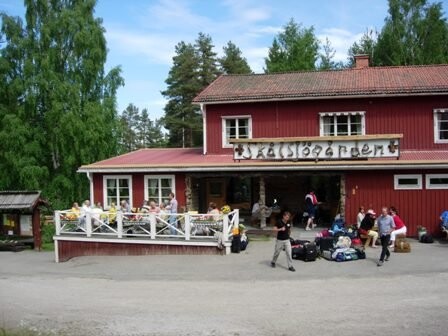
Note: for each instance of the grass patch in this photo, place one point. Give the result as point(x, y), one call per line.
point(23, 332)
point(48, 246)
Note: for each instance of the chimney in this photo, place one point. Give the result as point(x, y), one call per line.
point(361, 61)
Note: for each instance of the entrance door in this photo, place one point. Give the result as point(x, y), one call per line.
point(216, 192)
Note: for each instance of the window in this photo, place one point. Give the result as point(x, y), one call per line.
point(342, 123)
point(117, 189)
point(407, 182)
point(441, 125)
point(437, 181)
point(237, 127)
point(158, 187)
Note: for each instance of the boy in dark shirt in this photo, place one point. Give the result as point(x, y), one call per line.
point(283, 228)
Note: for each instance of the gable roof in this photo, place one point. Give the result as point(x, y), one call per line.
point(370, 81)
point(18, 200)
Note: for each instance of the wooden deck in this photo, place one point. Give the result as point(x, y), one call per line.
point(91, 236)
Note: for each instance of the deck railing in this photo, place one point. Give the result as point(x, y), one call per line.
point(180, 226)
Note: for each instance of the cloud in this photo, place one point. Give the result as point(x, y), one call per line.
point(247, 11)
point(341, 40)
point(158, 48)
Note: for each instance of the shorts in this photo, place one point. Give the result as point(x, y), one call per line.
point(311, 211)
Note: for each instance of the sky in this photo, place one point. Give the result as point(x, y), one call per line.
point(141, 34)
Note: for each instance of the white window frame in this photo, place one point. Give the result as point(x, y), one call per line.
point(337, 114)
point(173, 184)
point(418, 186)
point(435, 186)
point(436, 113)
point(225, 144)
point(112, 177)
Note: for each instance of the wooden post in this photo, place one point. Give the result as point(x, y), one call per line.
point(225, 232)
point(188, 191)
point(88, 224)
point(120, 224)
point(152, 224)
point(57, 222)
point(37, 235)
point(263, 200)
point(342, 196)
point(187, 226)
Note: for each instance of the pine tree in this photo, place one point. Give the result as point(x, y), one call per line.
point(233, 62)
point(183, 83)
point(365, 46)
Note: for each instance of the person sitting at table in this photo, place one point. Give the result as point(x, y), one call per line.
point(213, 211)
point(75, 211)
point(259, 210)
point(367, 225)
point(112, 213)
point(400, 227)
point(96, 212)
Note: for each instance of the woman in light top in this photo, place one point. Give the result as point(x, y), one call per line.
point(360, 216)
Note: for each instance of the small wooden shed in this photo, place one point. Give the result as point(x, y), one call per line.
point(20, 215)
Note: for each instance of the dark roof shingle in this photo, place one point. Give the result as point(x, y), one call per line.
point(371, 81)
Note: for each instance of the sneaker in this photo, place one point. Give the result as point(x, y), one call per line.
point(387, 258)
point(314, 225)
point(307, 229)
point(380, 263)
point(273, 264)
point(292, 269)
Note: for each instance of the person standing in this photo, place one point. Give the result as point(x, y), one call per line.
point(385, 226)
point(173, 211)
point(311, 204)
point(283, 228)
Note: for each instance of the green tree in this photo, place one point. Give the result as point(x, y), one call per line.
point(365, 46)
point(194, 67)
point(137, 130)
point(327, 57)
point(55, 88)
point(415, 32)
point(233, 62)
point(295, 48)
point(207, 68)
point(181, 117)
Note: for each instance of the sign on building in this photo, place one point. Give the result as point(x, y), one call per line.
point(318, 148)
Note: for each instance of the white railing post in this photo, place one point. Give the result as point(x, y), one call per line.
point(57, 222)
point(236, 219)
point(88, 224)
point(187, 226)
point(152, 225)
point(225, 228)
point(119, 224)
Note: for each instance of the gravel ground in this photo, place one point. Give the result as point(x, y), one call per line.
point(238, 294)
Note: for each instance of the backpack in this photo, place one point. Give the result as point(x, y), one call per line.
point(427, 239)
point(236, 244)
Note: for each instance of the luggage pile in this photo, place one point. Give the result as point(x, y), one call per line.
point(304, 250)
point(340, 249)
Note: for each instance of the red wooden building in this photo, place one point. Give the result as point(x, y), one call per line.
point(369, 136)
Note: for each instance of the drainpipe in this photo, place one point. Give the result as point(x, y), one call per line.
point(89, 176)
point(204, 128)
